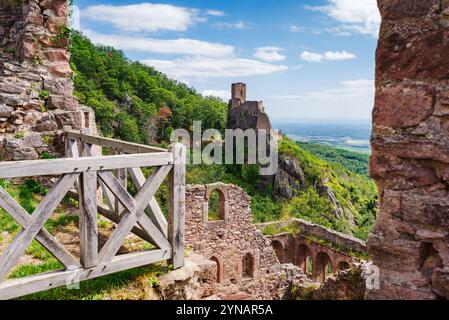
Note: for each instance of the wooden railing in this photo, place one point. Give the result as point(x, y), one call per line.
point(83, 176)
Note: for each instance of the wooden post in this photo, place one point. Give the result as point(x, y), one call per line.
point(88, 224)
point(176, 204)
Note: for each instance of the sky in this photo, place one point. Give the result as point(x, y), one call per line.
point(306, 59)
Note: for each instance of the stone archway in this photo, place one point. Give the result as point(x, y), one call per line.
point(305, 258)
point(278, 249)
point(248, 266)
point(323, 266)
point(220, 267)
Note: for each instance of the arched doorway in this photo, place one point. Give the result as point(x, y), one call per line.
point(323, 267)
point(305, 260)
point(279, 249)
point(219, 263)
point(216, 206)
point(248, 266)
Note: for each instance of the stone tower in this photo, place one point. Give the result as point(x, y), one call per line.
point(238, 94)
point(36, 88)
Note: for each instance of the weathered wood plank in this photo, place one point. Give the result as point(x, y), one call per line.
point(88, 224)
point(129, 219)
point(19, 287)
point(154, 210)
point(176, 204)
point(15, 169)
point(130, 205)
point(110, 215)
point(44, 210)
point(122, 146)
point(110, 198)
point(122, 178)
point(72, 148)
point(43, 237)
point(158, 238)
point(117, 189)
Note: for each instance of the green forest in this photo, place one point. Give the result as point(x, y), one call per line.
point(128, 97)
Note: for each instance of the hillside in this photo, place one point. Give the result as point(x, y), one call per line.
point(137, 103)
point(356, 162)
point(131, 100)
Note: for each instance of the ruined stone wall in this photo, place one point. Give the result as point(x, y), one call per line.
point(248, 115)
point(227, 241)
point(346, 285)
point(36, 89)
point(316, 231)
point(410, 143)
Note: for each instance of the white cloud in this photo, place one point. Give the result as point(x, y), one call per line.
point(337, 56)
point(312, 57)
point(327, 56)
point(147, 17)
point(352, 99)
point(269, 54)
point(215, 13)
point(240, 25)
point(163, 46)
point(356, 16)
point(294, 28)
point(213, 68)
point(224, 95)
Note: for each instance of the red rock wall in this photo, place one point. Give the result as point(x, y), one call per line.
point(410, 141)
point(36, 89)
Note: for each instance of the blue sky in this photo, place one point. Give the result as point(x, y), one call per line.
point(305, 59)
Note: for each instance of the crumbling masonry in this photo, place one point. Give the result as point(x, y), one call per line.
point(243, 256)
point(36, 88)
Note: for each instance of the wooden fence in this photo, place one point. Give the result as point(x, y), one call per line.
point(81, 176)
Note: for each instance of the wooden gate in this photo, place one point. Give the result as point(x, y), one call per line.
point(81, 176)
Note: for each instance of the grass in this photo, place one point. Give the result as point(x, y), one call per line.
point(130, 284)
point(115, 285)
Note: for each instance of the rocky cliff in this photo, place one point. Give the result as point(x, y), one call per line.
point(36, 89)
point(410, 160)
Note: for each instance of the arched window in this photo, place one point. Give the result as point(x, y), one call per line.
point(279, 249)
point(305, 260)
point(216, 206)
point(248, 266)
point(323, 266)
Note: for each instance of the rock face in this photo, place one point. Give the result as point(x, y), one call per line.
point(345, 285)
point(289, 181)
point(193, 281)
point(36, 89)
point(410, 160)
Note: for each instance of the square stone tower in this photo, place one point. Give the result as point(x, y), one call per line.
point(238, 94)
